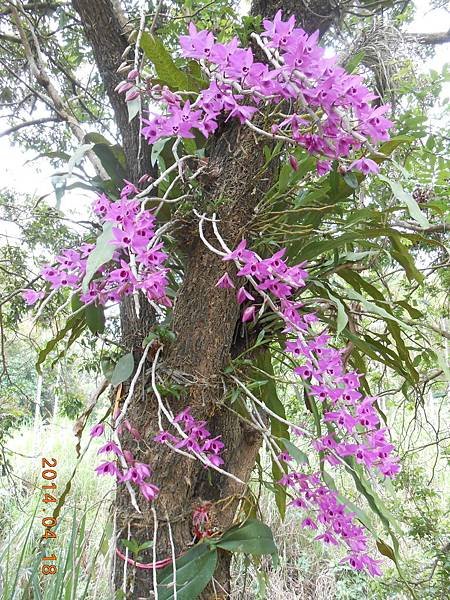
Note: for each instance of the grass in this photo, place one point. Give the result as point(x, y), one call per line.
point(83, 531)
point(84, 543)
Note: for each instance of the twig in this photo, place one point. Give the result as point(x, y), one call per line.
point(37, 68)
point(31, 123)
point(174, 564)
point(155, 532)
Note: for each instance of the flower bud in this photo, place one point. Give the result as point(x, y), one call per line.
point(293, 162)
point(133, 75)
point(128, 457)
point(126, 51)
point(249, 314)
point(132, 95)
point(124, 67)
point(123, 86)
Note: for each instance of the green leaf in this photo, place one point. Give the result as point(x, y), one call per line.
point(111, 156)
point(105, 543)
point(311, 405)
point(400, 253)
point(298, 455)
point(72, 324)
point(362, 516)
point(414, 313)
point(102, 253)
point(268, 395)
point(146, 545)
point(133, 107)
point(77, 157)
point(284, 177)
point(406, 198)
point(374, 501)
point(193, 572)
point(52, 154)
point(377, 310)
point(254, 537)
point(351, 180)
point(319, 246)
point(132, 545)
point(165, 67)
point(388, 147)
point(342, 317)
point(95, 318)
point(123, 369)
point(385, 549)
point(157, 148)
point(354, 61)
point(359, 283)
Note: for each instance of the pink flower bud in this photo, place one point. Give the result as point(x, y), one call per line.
point(293, 162)
point(123, 86)
point(323, 167)
point(133, 75)
point(128, 456)
point(97, 430)
point(149, 491)
point(249, 314)
point(132, 95)
point(31, 297)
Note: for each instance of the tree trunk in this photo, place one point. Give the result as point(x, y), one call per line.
point(204, 321)
point(103, 29)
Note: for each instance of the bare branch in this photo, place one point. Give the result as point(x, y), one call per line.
point(438, 228)
point(36, 6)
point(10, 38)
point(37, 67)
point(15, 128)
point(430, 38)
point(121, 16)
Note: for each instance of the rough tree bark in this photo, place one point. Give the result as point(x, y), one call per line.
point(103, 28)
point(204, 318)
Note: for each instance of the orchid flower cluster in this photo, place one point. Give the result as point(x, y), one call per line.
point(197, 439)
point(324, 509)
point(132, 471)
point(352, 421)
point(331, 112)
point(137, 261)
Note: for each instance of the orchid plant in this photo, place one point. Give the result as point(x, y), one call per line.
point(307, 100)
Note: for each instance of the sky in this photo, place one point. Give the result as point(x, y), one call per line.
point(35, 178)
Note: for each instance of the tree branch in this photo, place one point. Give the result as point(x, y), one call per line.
point(430, 38)
point(312, 15)
point(121, 16)
point(438, 228)
point(15, 128)
point(36, 6)
point(103, 22)
point(10, 38)
point(37, 68)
